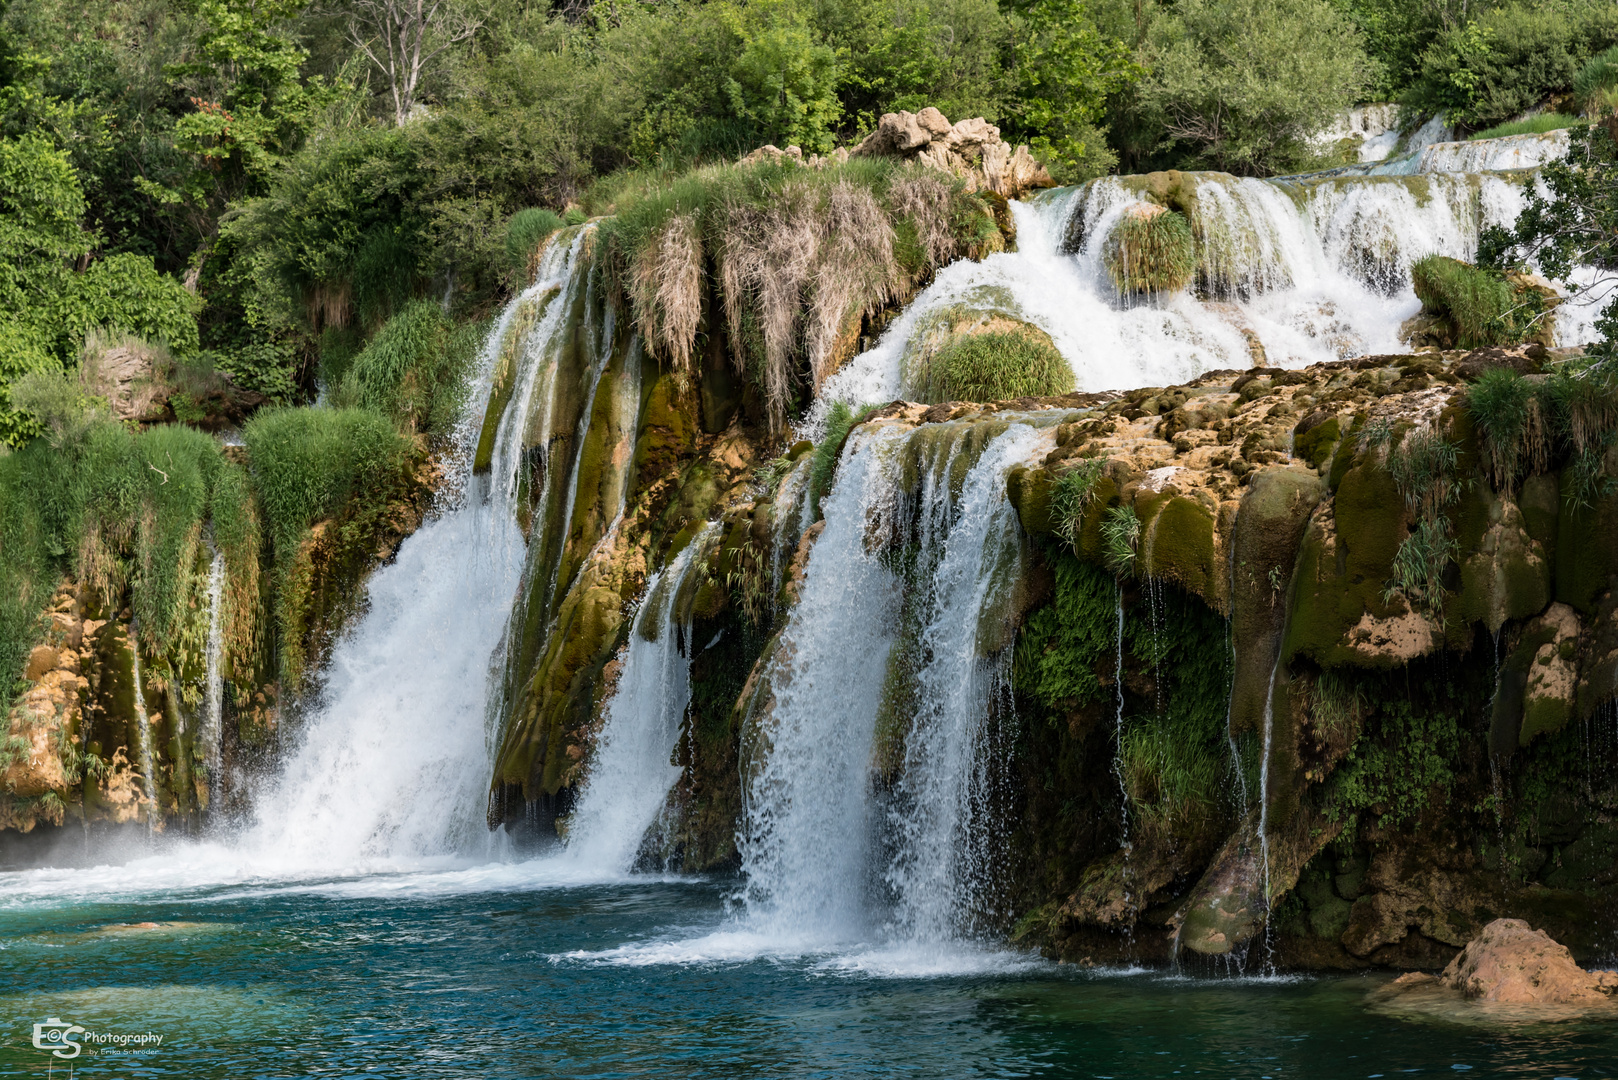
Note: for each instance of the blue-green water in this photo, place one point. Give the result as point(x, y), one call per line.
point(507, 971)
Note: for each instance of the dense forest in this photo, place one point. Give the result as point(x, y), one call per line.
point(259, 186)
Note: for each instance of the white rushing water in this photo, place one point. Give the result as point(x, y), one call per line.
point(1302, 270)
point(631, 773)
point(213, 687)
point(143, 730)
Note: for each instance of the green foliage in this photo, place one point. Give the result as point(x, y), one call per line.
point(1423, 468)
point(1537, 124)
point(992, 365)
point(1062, 642)
point(1120, 537)
point(1479, 303)
point(784, 84)
point(1065, 71)
point(1151, 252)
point(1070, 496)
point(1243, 85)
point(840, 420)
point(1406, 756)
point(526, 230)
point(1509, 58)
point(413, 370)
point(1594, 85)
point(306, 463)
point(1511, 424)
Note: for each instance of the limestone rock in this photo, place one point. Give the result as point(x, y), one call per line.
point(1513, 963)
point(971, 149)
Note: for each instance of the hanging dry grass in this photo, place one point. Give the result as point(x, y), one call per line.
point(925, 199)
point(666, 289)
point(855, 272)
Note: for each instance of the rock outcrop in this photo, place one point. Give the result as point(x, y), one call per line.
point(1512, 963)
point(971, 149)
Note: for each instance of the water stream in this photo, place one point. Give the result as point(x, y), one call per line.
point(213, 690)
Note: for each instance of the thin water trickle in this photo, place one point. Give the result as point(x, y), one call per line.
point(1118, 750)
point(1264, 814)
point(143, 729)
point(213, 691)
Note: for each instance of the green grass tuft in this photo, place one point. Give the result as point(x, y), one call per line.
point(992, 365)
point(526, 230)
point(1482, 306)
point(1534, 125)
point(414, 369)
point(1070, 496)
point(1120, 537)
point(1150, 252)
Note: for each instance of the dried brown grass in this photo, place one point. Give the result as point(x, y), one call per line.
point(666, 289)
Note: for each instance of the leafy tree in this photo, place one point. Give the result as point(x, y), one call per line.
point(1242, 85)
point(1065, 71)
point(785, 84)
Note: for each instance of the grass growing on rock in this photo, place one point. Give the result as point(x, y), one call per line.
point(1483, 307)
point(414, 369)
point(796, 259)
point(1533, 125)
point(1150, 250)
point(992, 365)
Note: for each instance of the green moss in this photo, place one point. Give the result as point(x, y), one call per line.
point(1179, 547)
point(1030, 493)
point(1586, 548)
point(1317, 444)
point(1063, 642)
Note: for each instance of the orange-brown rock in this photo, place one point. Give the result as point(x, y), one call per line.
point(1512, 963)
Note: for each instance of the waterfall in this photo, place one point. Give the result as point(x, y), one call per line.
point(940, 825)
point(630, 774)
point(1294, 271)
point(805, 820)
point(143, 730)
point(213, 700)
point(829, 857)
point(394, 756)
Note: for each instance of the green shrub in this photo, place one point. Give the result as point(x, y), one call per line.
point(1481, 305)
point(307, 463)
point(991, 365)
point(525, 231)
point(1595, 87)
point(414, 369)
point(1533, 125)
point(1150, 250)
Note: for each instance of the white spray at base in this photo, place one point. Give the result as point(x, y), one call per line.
point(884, 881)
point(631, 773)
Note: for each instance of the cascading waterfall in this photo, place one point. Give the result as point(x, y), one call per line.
point(820, 843)
point(214, 690)
point(143, 730)
point(1295, 271)
point(805, 820)
point(1264, 810)
point(630, 774)
point(939, 823)
point(395, 755)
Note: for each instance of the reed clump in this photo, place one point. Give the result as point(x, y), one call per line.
point(1482, 307)
point(1150, 250)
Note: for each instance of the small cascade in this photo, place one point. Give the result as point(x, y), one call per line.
point(213, 694)
point(1292, 271)
point(789, 514)
point(630, 773)
point(143, 731)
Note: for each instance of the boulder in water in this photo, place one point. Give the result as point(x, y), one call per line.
point(1512, 963)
